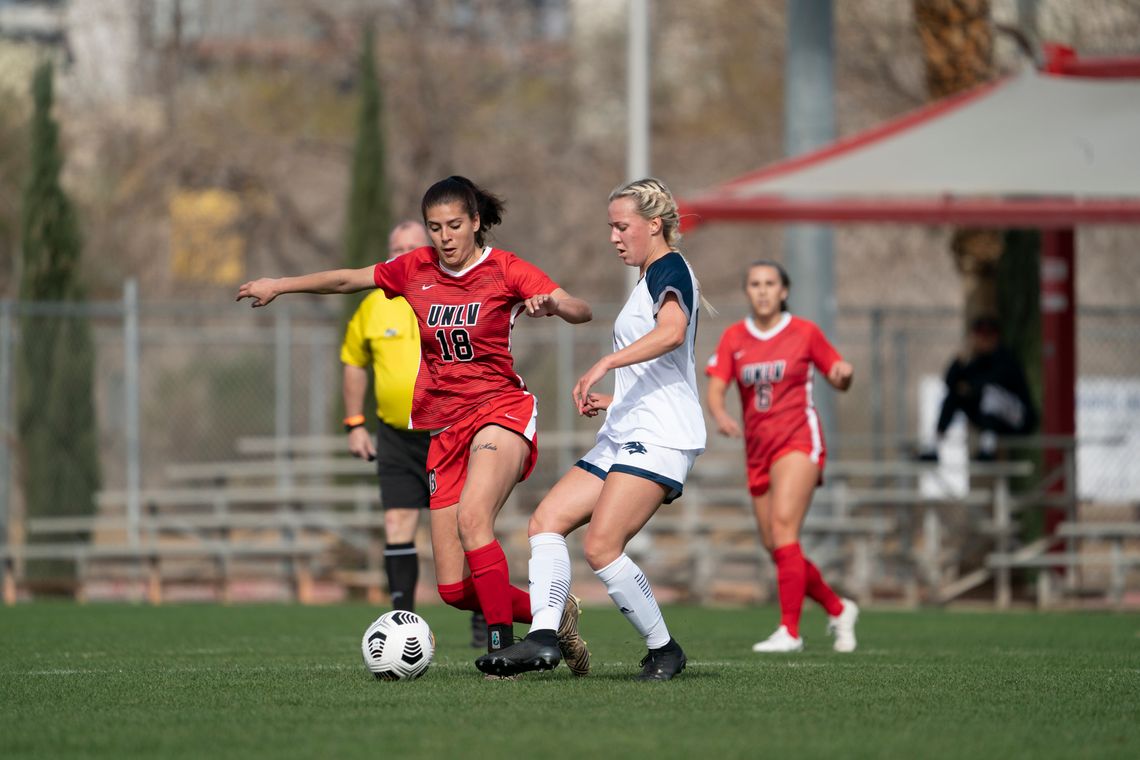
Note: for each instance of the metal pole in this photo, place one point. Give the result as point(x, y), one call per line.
point(283, 390)
point(809, 122)
point(1003, 591)
point(637, 94)
point(1059, 353)
point(5, 417)
point(564, 335)
point(876, 381)
point(131, 350)
point(1027, 17)
point(900, 346)
point(318, 387)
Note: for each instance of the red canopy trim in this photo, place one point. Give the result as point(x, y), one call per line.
point(1042, 213)
point(1063, 60)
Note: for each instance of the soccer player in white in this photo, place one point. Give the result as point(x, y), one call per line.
point(653, 432)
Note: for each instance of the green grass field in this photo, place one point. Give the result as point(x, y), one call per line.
point(287, 681)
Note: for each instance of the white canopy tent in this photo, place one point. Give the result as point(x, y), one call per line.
point(1032, 150)
point(1049, 150)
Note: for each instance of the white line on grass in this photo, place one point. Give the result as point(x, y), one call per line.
point(465, 665)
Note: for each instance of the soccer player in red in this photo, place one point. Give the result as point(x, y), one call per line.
point(466, 296)
point(770, 355)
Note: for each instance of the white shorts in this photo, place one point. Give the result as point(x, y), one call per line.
point(661, 464)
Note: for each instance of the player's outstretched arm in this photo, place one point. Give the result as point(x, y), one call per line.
point(559, 303)
point(725, 424)
point(264, 290)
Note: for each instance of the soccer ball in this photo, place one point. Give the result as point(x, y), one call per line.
point(398, 646)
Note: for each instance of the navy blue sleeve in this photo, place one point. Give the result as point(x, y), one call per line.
point(670, 274)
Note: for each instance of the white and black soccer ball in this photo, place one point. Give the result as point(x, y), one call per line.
point(398, 646)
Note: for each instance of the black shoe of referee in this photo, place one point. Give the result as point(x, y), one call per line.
point(538, 651)
point(662, 664)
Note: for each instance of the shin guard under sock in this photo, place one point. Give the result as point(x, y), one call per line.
point(491, 577)
point(549, 580)
point(630, 590)
point(791, 580)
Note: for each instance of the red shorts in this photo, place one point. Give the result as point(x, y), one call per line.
point(762, 450)
point(451, 447)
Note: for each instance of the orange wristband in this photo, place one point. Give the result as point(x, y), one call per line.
point(353, 422)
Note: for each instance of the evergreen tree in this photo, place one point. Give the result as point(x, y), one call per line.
point(13, 168)
point(56, 418)
point(1019, 305)
point(368, 212)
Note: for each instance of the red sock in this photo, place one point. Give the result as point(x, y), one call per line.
point(818, 590)
point(790, 580)
point(492, 582)
point(520, 605)
point(462, 596)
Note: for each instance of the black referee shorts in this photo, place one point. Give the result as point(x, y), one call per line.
point(401, 463)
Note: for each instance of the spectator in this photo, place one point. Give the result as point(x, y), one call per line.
point(988, 385)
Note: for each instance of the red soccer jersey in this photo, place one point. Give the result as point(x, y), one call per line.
point(465, 321)
point(773, 371)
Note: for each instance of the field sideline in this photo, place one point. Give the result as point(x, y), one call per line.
point(287, 681)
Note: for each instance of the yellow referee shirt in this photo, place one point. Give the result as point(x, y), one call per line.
point(383, 332)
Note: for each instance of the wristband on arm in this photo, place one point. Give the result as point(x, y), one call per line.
point(353, 422)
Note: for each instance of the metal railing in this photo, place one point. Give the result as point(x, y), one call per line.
point(183, 382)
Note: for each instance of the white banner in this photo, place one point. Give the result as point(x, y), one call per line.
point(1108, 428)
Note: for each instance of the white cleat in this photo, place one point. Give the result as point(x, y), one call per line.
point(780, 641)
point(842, 627)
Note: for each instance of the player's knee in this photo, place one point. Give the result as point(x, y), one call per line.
point(475, 527)
point(784, 524)
point(543, 521)
point(784, 531)
point(600, 551)
point(400, 525)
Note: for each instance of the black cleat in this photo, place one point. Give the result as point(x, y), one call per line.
point(535, 652)
point(662, 664)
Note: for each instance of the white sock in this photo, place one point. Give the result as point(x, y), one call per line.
point(549, 580)
point(629, 588)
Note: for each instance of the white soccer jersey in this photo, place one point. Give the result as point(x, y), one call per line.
point(657, 401)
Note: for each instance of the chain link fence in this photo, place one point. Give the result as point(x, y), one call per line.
point(183, 382)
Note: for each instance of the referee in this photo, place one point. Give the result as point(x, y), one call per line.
point(383, 334)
